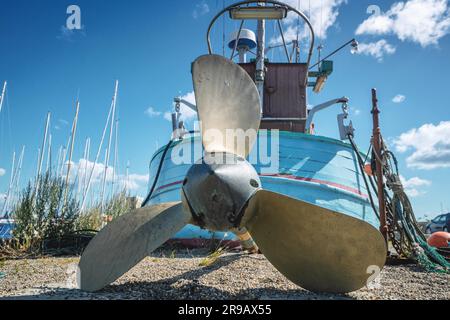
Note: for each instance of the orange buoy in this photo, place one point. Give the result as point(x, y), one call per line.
point(439, 240)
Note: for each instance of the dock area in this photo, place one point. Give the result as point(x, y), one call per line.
point(190, 275)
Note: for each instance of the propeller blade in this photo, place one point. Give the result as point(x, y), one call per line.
point(227, 98)
point(126, 241)
point(316, 248)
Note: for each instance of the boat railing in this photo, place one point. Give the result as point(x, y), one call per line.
point(282, 8)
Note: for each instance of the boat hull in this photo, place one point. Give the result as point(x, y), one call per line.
point(315, 169)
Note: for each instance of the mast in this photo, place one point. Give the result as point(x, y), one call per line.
point(73, 134)
point(96, 159)
point(88, 145)
point(260, 58)
point(379, 165)
point(115, 169)
point(111, 129)
point(82, 177)
point(14, 180)
point(44, 143)
point(49, 154)
point(59, 160)
point(11, 180)
point(2, 97)
point(63, 162)
point(38, 157)
point(19, 168)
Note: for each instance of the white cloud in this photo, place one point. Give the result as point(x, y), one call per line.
point(399, 98)
point(84, 167)
point(419, 21)
point(376, 49)
point(2, 172)
point(151, 112)
point(323, 15)
point(415, 186)
point(430, 145)
point(201, 9)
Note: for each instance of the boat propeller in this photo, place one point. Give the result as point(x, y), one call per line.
point(316, 248)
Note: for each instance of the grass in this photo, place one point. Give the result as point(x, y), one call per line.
point(212, 257)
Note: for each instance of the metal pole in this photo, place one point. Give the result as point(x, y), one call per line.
point(116, 155)
point(63, 162)
point(44, 142)
point(49, 154)
point(69, 165)
point(80, 175)
point(22, 154)
point(42, 154)
point(2, 97)
point(379, 164)
point(59, 160)
point(86, 164)
point(11, 181)
point(99, 150)
point(109, 145)
point(260, 60)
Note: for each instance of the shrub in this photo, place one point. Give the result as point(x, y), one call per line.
point(45, 210)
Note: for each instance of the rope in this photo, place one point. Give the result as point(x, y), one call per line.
point(404, 231)
point(413, 244)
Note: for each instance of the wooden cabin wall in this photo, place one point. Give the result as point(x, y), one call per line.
point(284, 95)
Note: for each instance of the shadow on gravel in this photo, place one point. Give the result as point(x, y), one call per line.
point(185, 286)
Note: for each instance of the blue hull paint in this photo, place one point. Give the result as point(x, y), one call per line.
point(315, 169)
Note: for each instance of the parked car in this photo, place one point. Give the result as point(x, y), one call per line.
point(440, 223)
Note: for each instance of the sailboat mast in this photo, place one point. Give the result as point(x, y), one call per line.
point(111, 129)
point(19, 171)
point(88, 145)
point(116, 144)
point(11, 180)
point(74, 132)
point(49, 154)
point(2, 97)
point(44, 143)
point(99, 150)
point(82, 175)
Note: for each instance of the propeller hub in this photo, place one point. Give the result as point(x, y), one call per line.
point(217, 189)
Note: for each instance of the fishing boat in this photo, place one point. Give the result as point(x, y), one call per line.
point(289, 157)
point(255, 169)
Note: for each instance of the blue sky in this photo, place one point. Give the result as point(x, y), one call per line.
point(404, 53)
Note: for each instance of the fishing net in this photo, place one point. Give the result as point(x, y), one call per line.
point(404, 232)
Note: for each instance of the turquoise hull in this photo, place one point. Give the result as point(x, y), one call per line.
point(315, 169)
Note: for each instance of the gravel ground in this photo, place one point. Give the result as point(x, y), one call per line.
point(176, 275)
